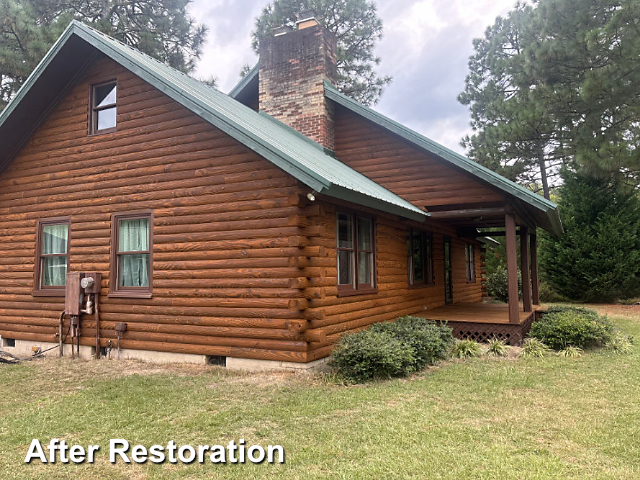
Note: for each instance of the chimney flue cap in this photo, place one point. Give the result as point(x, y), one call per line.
point(307, 18)
point(283, 30)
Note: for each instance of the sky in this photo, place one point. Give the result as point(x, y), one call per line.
point(425, 48)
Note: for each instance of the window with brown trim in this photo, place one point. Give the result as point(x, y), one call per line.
point(420, 257)
point(131, 272)
point(103, 108)
point(469, 250)
point(356, 254)
point(52, 256)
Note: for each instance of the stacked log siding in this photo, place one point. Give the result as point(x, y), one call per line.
point(335, 315)
point(225, 227)
point(243, 265)
point(402, 168)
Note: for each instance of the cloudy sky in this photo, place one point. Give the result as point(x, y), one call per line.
point(425, 49)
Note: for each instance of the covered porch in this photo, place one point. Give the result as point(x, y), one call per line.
point(484, 321)
point(517, 221)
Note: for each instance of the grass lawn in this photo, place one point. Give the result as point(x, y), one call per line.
point(478, 419)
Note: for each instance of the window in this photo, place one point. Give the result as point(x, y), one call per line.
point(131, 254)
point(103, 108)
point(356, 254)
point(52, 256)
point(470, 261)
point(420, 258)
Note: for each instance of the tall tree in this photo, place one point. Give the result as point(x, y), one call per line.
point(160, 28)
point(357, 27)
point(585, 53)
point(598, 257)
point(514, 135)
point(558, 83)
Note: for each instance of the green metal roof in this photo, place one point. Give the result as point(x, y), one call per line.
point(245, 81)
point(302, 158)
point(547, 211)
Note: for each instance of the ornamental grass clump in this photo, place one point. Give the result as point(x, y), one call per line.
point(466, 349)
point(534, 348)
point(620, 343)
point(570, 352)
point(497, 348)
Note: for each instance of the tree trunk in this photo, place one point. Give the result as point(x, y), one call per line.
point(543, 171)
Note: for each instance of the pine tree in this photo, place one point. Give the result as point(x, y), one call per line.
point(160, 28)
point(357, 27)
point(598, 257)
point(557, 83)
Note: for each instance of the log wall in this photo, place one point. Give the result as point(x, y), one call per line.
point(243, 265)
point(226, 227)
point(405, 170)
point(331, 315)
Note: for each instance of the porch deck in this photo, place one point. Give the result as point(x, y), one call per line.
point(484, 321)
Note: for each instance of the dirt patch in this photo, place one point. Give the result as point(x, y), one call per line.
point(617, 310)
point(62, 368)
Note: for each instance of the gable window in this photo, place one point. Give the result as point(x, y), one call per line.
point(103, 108)
point(131, 254)
point(420, 258)
point(470, 262)
point(356, 254)
point(52, 256)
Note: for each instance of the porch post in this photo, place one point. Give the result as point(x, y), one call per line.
point(524, 266)
point(534, 269)
point(512, 266)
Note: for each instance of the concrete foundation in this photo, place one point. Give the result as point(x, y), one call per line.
point(159, 357)
point(24, 349)
point(252, 365)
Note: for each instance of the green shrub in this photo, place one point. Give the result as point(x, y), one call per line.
point(588, 312)
point(532, 347)
point(466, 349)
point(498, 284)
point(497, 347)
point(570, 352)
point(367, 355)
point(549, 294)
point(429, 340)
point(561, 327)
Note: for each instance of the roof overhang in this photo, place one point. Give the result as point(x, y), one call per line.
point(541, 211)
point(78, 46)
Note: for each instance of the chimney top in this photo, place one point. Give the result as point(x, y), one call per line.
point(307, 18)
point(283, 30)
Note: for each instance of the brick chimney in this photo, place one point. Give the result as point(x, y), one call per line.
point(293, 65)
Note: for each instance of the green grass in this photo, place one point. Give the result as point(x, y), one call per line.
point(550, 418)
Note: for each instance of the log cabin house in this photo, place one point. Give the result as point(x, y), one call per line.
point(250, 229)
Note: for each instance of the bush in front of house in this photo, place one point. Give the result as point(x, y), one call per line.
point(498, 284)
point(392, 349)
point(561, 327)
point(429, 340)
point(368, 355)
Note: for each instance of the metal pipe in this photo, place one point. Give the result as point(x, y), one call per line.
point(60, 330)
point(97, 320)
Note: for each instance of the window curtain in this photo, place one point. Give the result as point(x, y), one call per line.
point(54, 241)
point(133, 236)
